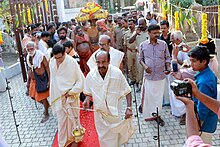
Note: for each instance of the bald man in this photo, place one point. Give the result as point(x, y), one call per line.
point(116, 55)
point(84, 51)
point(107, 85)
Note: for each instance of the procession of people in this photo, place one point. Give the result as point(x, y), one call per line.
point(79, 68)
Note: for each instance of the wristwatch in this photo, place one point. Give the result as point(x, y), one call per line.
point(129, 108)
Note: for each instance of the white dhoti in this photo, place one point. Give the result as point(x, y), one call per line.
point(166, 99)
point(153, 97)
point(107, 94)
point(177, 107)
point(68, 120)
point(112, 130)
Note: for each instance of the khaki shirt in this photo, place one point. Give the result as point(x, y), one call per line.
point(118, 34)
point(127, 36)
point(140, 38)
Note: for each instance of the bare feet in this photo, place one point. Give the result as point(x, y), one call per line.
point(45, 118)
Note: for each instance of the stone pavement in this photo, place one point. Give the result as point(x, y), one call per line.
point(35, 134)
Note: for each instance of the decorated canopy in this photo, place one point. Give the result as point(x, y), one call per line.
point(92, 10)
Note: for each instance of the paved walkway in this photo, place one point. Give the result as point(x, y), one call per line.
point(35, 134)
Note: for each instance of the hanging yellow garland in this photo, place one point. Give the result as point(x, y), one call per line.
point(164, 15)
point(29, 16)
point(177, 25)
point(204, 39)
point(46, 6)
point(1, 40)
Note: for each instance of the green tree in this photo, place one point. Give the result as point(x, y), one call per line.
point(4, 9)
point(207, 2)
point(182, 3)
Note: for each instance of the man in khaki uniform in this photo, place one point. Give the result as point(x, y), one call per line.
point(118, 35)
point(131, 51)
point(138, 37)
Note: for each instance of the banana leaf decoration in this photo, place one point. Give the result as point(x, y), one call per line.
point(7, 27)
point(16, 21)
point(24, 18)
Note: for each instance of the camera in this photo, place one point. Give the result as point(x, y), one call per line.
point(181, 88)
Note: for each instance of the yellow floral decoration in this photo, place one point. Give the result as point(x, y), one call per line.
point(1, 40)
point(29, 16)
point(46, 6)
point(204, 39)
point(177, 25)
point(92, 10)
point(164, 15)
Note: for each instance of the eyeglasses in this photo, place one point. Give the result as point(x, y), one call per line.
point(103, 44)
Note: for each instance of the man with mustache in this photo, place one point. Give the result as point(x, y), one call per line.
point(110, 25)
point(110, 87)
point(138, 37)
point(65, 87)
point(62, 33)
point(155, 59)
point(165, 35)
point(131, 52)
point(118, 35)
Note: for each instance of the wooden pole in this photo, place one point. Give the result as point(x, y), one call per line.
point(18, 41)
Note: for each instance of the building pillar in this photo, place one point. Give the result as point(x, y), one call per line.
point(60, 10)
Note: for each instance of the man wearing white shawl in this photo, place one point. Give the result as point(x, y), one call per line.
point(107, 85)
point(116, 55)
point(66, 83)
point(38, 66)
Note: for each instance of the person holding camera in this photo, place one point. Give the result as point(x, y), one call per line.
point(192, 127)
point(207, 83)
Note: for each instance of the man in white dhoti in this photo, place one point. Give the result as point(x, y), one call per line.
point(155, 58)
point(107, 85)
point(177, 107)
point(66, 83)
point(116, 55)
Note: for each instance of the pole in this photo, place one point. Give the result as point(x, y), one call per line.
point(136, 108)
point(12, 108)
point(18, 41)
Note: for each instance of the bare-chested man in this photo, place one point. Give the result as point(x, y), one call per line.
point(104, 31)
point(93, 33)
point(39, 68)
point(62, 33)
